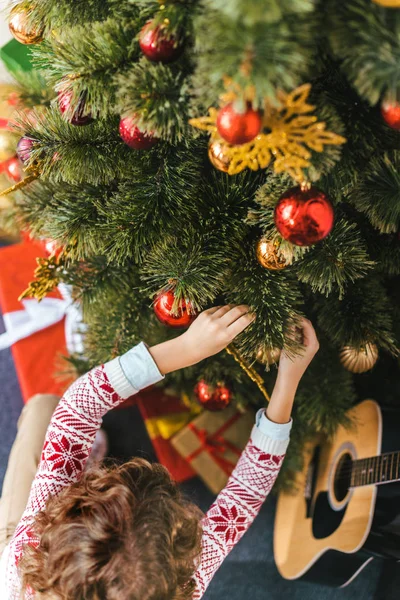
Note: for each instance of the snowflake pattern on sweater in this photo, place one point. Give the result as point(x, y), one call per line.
point(67, 447)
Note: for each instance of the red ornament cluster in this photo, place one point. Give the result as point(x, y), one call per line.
point(157, 46)
point(163, 311)
point(133, 137)
point(238, 128)
point(79, 117)
point(304, 217)
point(391, 115)
point(213, 397)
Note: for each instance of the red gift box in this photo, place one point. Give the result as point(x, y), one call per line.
point(164, 415)
point(35, 357)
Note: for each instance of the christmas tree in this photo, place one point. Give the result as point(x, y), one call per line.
point(190, 153)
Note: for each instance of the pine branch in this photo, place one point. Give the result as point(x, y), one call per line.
point(273, 295)
point(363, 315)
point(340, 259)
point(66, 214)
point(144, 209)
point(264, 11)
point(194, 265)
point(57, 14)
point(377, 193)
point(267, 55)
point(93, 154)
point(31, 88)
point(85, 58)
point(158, 95)
point(365, 36)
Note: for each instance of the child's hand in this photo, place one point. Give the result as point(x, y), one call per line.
point(290, 372)
point(294, 368)
point(210, 333)
point(214, 329)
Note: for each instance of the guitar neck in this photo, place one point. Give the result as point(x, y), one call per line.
point(376, 469)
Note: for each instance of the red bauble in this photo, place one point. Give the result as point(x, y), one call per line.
point(163, 307)
point(13, 170)
point(391, 114)
point(304, 217)
point(79, 116)
point(238, 128)
point(24, 148)
point(133, 137)
point(213, 398)
point(156, 46)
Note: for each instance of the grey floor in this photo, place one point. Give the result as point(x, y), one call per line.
point(249, 572)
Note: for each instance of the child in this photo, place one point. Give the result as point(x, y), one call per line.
point(126, 533)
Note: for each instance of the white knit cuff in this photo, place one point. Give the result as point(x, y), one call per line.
point(276, 431)
point(267, 444)
point(133, 371)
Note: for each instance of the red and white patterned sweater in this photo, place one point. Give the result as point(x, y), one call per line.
point(67, 446)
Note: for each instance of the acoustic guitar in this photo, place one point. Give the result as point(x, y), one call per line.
point(345, 509)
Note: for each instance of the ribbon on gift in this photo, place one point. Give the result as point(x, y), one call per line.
point(216, 445)
point(37, 316)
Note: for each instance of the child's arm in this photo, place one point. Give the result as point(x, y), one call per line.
point(79, 414)
point(250, 483)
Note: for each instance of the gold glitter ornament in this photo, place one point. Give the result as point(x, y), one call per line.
point(359, 360)
point(289, 133)
point(268, 356)
point(20, 26)
point(267, 255)
point(218, 158)
point(388, 3)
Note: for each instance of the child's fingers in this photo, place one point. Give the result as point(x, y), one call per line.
point(240, 324)
point(309, 335)
point(222, 310)
point(233, 314)
point(212, 310)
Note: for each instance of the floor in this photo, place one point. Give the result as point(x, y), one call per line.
point(249, 572)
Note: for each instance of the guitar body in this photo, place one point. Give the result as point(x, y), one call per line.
point(326, 531)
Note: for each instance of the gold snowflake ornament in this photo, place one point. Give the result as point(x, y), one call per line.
point(289, 133)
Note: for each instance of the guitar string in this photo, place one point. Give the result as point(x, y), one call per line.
point(348, 471)
point(379, 459)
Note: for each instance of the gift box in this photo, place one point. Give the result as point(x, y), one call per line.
point(16, 57)
point(37, 355)
point(213, 442)
point(164, 415)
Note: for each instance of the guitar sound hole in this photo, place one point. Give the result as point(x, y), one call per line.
point(342, 477)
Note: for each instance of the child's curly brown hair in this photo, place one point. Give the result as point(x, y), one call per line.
point(120, 533)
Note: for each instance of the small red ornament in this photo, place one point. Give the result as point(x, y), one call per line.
point(304, 217)
point(156, 46)
point(163, 307)
point(79, 116)
point(238, 128)
point(391, 115)
point(133, 137)
point(24, 148)
point(213, 398)
point(13, 170)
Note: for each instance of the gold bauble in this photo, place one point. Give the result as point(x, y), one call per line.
point(21, 27)
point(217, 156)
point(268, 356)
point(8, 144)
point(359, 360)
point(388, 3)
point(267, 256)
